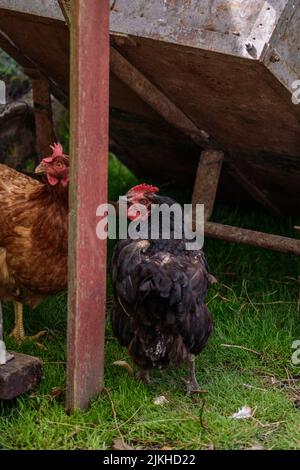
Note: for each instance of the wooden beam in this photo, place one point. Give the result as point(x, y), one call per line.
point(155, 98)
point(42, 107)
point(88, 189)
point(13, 50)
point(251, 237)
point(205, 189)
point(8, 46)
point(65, 6)
point(207, 179)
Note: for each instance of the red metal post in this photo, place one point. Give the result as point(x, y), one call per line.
point(88, 189)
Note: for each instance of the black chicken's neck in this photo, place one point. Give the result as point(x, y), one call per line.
point(171, 222)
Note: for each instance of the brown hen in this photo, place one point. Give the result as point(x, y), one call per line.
point(33, 234)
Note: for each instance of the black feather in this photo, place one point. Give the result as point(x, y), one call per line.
point(159, 311)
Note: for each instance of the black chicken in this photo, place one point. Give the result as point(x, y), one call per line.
point(160, 287)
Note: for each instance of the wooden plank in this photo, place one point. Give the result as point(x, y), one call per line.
point(44, 42)
point(65, 6)
point(205, 189)
point(207, 179)
point(21, 374)
point(19, 49)
point(42, 106)
point(149, 93)
point(88, 189)
point(209, 88)
point(253, 238)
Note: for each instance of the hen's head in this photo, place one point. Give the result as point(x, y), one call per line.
point(143, 194)
point(55, 167)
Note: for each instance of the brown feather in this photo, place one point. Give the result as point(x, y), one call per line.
point(33, 237)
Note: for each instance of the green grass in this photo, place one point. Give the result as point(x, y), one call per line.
point(255, 305)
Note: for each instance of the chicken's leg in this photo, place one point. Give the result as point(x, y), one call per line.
point(18, 332)
point(143, 375)
point(192, 384)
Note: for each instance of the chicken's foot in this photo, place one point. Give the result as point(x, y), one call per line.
point(18, 333)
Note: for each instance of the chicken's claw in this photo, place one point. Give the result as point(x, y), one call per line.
point(20, 338)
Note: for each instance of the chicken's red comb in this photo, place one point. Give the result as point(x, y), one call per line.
point(57, 150)
point(144, 188)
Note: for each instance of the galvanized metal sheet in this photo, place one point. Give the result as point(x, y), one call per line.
point(45, 8)
point(282, 56)
point(219, 25)
point(222, 16)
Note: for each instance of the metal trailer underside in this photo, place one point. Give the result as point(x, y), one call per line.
point(228, 66)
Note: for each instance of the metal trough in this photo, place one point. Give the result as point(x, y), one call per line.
point(188, 75)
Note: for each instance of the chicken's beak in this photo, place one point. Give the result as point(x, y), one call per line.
point(41, 168)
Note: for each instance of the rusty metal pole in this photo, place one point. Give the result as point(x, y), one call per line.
point(88, 189)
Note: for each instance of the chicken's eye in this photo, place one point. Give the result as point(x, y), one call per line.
point(58, 165)
point(144, 202)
